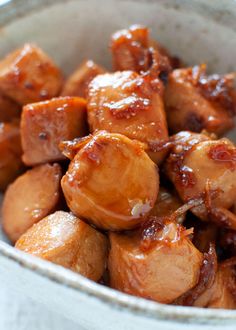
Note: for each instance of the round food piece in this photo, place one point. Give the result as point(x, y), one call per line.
point(205, 165)
point(163, 272)
point(111, 182)
point(126, 103)
point(65, 240)
point(31, 197)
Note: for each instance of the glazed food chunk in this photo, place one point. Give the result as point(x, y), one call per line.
point(8, 109)
point(222, 293)
point(10, 153)
point(29, 75)
point(167, 202)
point(204, 170)
point(195, 101)
point(132, 49)
point(77, 83)
point(45, 124)
point(31, 197)
point(111, 182)
point(163, 271)
point(126, 103)
point(66, 240)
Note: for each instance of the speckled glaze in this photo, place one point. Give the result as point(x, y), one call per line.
point(70, 31)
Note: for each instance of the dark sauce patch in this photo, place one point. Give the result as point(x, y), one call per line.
point(193, 122)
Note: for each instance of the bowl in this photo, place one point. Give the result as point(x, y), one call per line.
point(70, 31)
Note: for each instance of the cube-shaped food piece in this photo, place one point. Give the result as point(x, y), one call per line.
point(45, 124)
point(11, 164)
point(68, 241)
point(163, 272)
point(8, 109)
point(133, 49)
point(29, 75)
point(195, 101)
point(77, 83)
point(31, 197)
point(126, 103)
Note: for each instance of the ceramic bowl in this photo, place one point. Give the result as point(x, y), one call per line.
point(70, 31)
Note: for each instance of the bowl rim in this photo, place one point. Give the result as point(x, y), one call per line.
point(120, 300)
point(10, 11)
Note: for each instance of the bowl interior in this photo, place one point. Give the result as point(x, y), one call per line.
point(71, 31)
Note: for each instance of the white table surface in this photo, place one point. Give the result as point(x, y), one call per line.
point(21, 313)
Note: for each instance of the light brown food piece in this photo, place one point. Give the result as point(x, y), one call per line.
point(111, 182)
point(167, 202)
point(45, 124)
point(206, 170)
point(31, 197)
point(195, 101)
point(133, 49)
point(220, 294)
point(10, 153)
point(66, 240)
point(8, 109)
point(126, 103)
point(29, 75)
point(163, 272)
point(77, 83)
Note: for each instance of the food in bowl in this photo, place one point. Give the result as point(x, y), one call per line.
point(124, 177)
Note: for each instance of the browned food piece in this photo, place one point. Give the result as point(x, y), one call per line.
point(132, 49)
point(162, 272)
point(195, 101)
point(66, 240)
point(126, 103)
point(45, 124)
point(31, 197)
point(77, 83)
point(222, 294)
point(205, 170)
point(167, 202)
point(29, 75)
point(8, 109)
point(10, 153)
point(111, 182)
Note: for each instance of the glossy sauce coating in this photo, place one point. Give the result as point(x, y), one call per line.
point(167, 270)
point(66, 240)
point(45, 124)
point(10, 153)
point(111, 182)
point(8, 109)
point(29, 75)
point(31, 197)
point(194, 101)
point(167, 202)
point(125, 103)
point(77, 83)
point(206, 164)
point(133, 49)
